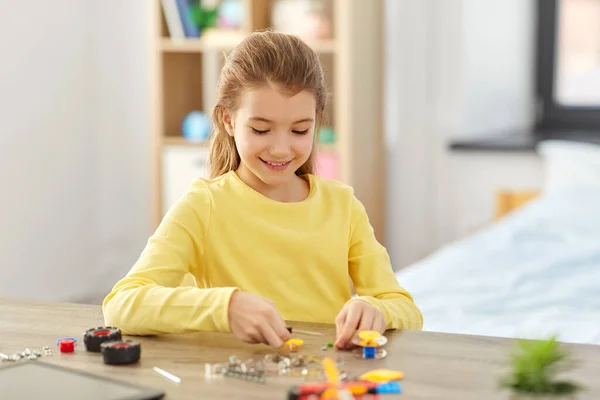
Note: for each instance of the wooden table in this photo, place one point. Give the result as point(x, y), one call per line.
point(436, 366)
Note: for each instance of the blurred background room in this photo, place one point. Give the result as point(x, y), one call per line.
point(470, 129)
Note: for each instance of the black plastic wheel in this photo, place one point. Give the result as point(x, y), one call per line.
point(121, 352)
point(94, 337)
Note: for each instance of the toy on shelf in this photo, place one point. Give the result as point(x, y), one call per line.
point(231, 14)
point(326, 135)
point(370, 343)
point(204, 14)
point(305, 18)
point(196, 126)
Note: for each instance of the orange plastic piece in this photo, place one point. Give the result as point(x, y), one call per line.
point(294, 344)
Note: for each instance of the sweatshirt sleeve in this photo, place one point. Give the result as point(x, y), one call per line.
point(373, 277)
point(149, 300)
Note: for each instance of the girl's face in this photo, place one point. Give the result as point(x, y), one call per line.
point(273, 133)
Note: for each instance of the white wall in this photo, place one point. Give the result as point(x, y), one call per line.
point(454, 68)
point(69, 127)
point(120, 43)
point(407, 124)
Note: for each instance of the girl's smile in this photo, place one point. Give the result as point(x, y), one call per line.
point(276, 165)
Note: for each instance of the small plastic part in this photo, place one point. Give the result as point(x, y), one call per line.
point(94, 337)
point(66, 346)
point(368, 353)
point(370, 341)
point(294, 344)
point(382, 375)
point(65, 338)
point(121, 352)
point(389, 388)
point(331, 371)
point(302, 331)
point(329, 344)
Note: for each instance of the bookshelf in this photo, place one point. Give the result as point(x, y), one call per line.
point(184, 73)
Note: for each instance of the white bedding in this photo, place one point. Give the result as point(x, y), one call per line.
point(531, 275)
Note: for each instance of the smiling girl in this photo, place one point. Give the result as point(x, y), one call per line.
point(265, 239)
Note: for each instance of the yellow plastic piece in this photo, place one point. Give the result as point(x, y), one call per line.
point(294, 344)
point(368, 338)
point(382, 375)
point(369, 335)
point(331, 371)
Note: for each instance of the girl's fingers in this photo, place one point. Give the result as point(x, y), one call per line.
point(379, 324)
point(271, 338)
point(349, 327)
point(340, 320)
point(255, 336)
point(367, 320)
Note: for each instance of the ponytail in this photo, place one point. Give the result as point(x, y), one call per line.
point(223, 156)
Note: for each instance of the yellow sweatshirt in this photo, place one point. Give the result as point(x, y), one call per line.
point(230, 237)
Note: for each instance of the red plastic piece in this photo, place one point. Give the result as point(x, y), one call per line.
point(66, 346)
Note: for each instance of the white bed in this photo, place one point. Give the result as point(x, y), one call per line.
point(533, 273)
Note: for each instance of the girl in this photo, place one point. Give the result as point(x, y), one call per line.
point(265, 239)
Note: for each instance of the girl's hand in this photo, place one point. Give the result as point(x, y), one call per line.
point(254, 319)
point(355, 316)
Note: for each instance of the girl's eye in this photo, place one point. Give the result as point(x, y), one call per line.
point(259, 131)
point(301, 132)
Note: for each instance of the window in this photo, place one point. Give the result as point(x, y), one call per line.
point(569, 65)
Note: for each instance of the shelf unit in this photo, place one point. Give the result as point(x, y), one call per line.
point(184, 77)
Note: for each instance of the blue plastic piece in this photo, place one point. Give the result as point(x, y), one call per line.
point(66, 338)
point(196, 126)
point(389, 388)
point(368, 352)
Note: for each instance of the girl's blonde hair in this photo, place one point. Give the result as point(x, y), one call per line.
point(263, 58)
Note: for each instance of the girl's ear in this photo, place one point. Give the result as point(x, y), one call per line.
point(228, 122)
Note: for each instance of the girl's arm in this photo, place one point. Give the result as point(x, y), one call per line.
point(149, 300)
point(374, 280)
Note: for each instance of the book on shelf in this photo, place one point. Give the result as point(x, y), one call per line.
point(180, 18)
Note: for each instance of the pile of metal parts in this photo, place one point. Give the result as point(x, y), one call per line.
point(27, 354)
point(308, 367)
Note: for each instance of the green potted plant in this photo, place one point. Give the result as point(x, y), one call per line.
point(535, 369)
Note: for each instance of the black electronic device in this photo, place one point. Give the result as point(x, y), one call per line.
point(25, 380)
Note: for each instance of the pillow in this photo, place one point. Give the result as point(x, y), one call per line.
point(569, 164)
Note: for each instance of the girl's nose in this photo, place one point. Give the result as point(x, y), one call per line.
point(279, 147)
